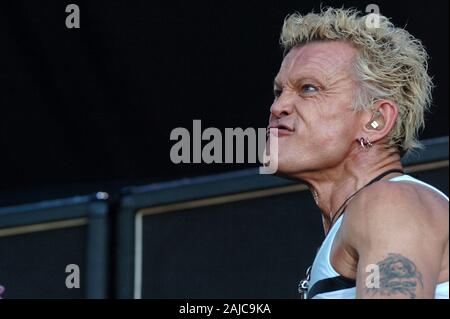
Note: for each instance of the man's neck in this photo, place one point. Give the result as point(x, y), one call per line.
point(332, 187)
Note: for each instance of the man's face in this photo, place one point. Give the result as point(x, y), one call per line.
point(313, 96)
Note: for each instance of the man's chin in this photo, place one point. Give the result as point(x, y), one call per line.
point(286, 173)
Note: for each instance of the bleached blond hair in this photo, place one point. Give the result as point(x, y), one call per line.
point(390, 64)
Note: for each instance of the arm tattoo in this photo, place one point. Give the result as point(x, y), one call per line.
point(398, 275)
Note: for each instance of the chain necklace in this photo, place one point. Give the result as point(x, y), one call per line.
point(376, 179)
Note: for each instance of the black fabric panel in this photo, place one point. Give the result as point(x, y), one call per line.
point(33, 265)
point(256, 248)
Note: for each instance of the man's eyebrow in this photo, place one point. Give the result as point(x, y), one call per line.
point(299, 78)
point(314, 77)
point(297, 81)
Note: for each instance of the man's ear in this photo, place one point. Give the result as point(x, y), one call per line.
point(379, 120)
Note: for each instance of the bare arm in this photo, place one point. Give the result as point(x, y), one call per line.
point(398, 277)
point(399, 241)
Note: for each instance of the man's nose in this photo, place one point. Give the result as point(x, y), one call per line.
point(281, 107)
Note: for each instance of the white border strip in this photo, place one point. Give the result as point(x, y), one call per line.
point(137, 294)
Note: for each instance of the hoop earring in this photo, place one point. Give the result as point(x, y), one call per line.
point(365, 143)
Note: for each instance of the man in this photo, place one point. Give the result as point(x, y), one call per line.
point(349, 100)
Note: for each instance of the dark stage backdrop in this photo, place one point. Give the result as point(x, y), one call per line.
point(89, 108)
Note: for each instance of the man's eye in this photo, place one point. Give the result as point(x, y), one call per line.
point(308, 88)
point(277, 93)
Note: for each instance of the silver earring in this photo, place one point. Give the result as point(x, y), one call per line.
point(365, 143)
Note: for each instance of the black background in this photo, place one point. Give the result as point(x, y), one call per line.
point(90, 108)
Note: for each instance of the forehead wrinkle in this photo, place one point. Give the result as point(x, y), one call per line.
point(319, 61)
point(324, 68)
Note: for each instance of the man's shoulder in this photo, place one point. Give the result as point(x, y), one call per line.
point(387, 207)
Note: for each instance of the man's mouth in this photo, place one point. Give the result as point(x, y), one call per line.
point(279, 130)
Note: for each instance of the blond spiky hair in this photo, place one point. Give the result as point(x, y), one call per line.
point(391, 64)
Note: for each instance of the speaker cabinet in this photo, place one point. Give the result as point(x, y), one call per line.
point(39, 241)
